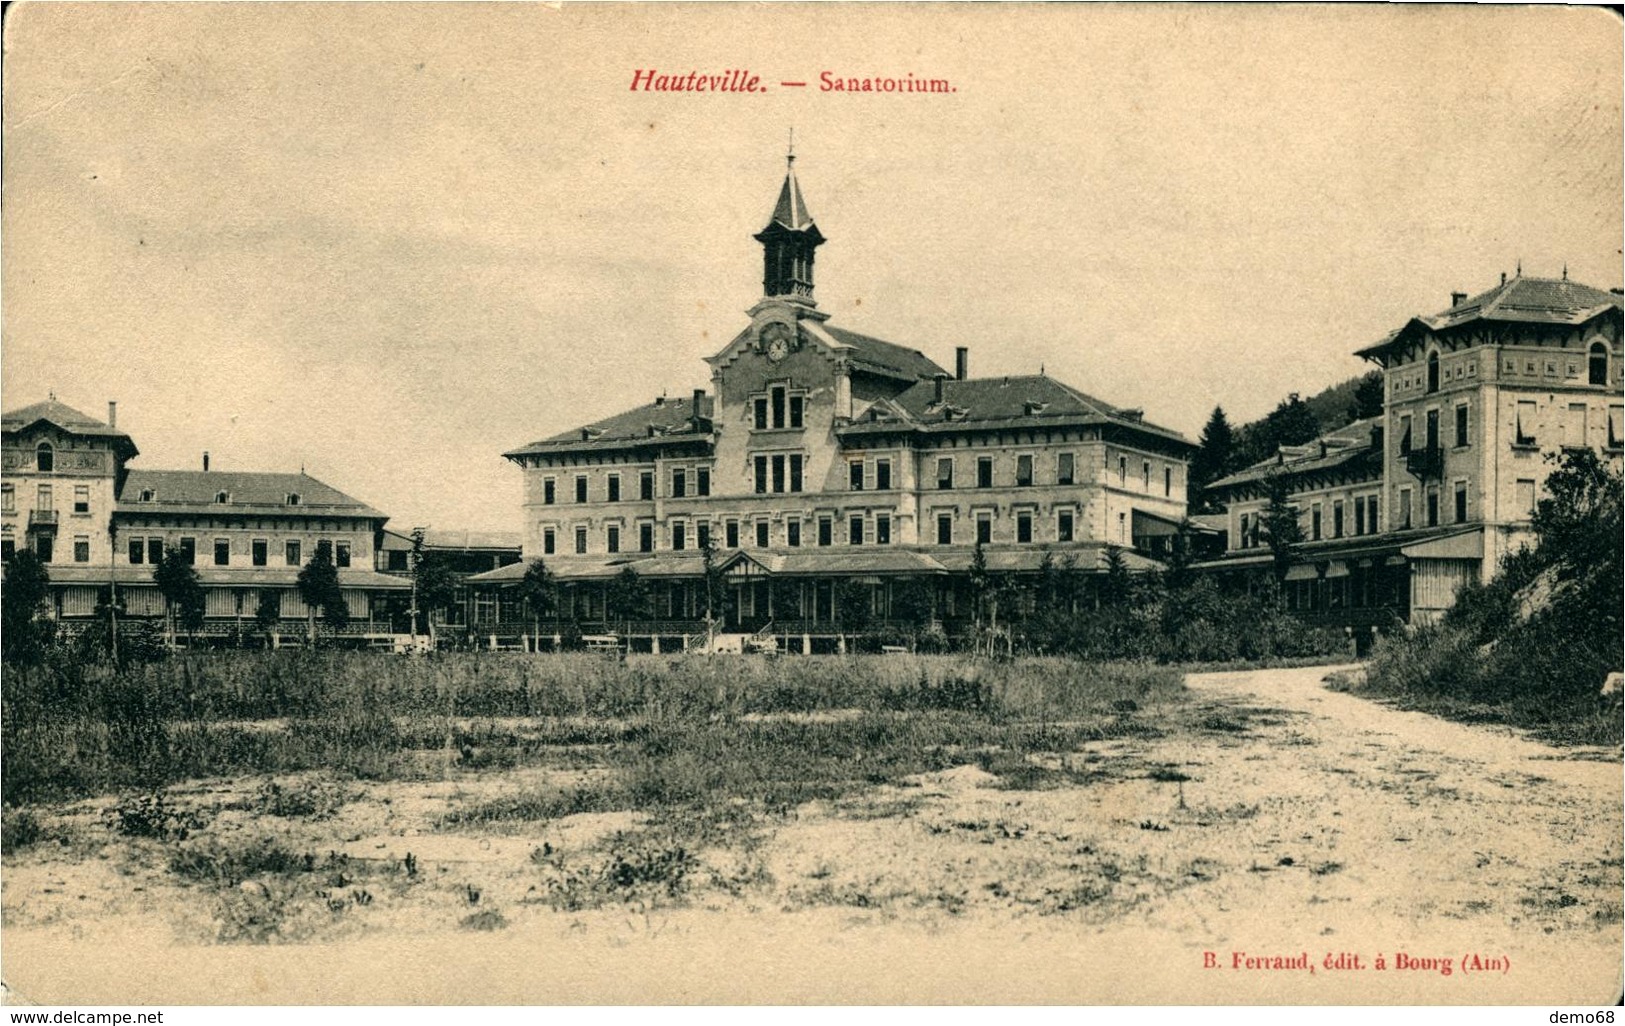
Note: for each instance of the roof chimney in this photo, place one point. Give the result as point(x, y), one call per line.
point(695, 415)
point(205, 460)
point(1503, 277)
point(940, 379)
point(961, 363)
point(112, 413)
point(1457, 298)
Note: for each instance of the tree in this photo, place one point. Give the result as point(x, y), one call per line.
point(1280, 525)
point(1214, 458)
point(1115, 589)
point(539, 590)
point(434, 582)
point(319, 586)
point(1368, 397)
point(711, 577)
point(182, 590)
point(24, 635)
point(627, 597)
point(268, 613)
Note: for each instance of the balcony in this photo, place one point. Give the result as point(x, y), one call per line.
point(41, 518)
point(1426, 462)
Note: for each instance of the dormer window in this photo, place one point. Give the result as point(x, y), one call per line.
point(147, 495)
point(45, 458)
point(222, 498)
point(1598, 365)
point(292, 499)
point(1433, 373)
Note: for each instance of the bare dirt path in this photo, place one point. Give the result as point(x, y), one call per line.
point(1295, 823)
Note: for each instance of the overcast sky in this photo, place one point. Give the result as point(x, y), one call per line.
point(389, 242)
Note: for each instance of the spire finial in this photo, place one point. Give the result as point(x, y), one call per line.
point(1565, 270)
point(1519, 273)
point(790, 157)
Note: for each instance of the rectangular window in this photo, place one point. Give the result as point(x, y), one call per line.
point(549, 495)
point(1063, 469)
point(189, 551)
point(1024, 471)
point(776, 397)
point(826, 531)
point(613, 488)
point(679, 483)
point(581, 487)
point(1404, 433)
point(8, 549)
point(42, 499)
point(761, 413)
point(155, 551)
point(1145, 475)
point(778, 473)
point(854, 476)
point(291, 553)
point(762, 531)
point(581, 541)
point(1242, 533)
point(1574, 426)
point(81, 549)
point(1461, 425)
point(984, 472)
point(549, 541)
point(1024, 527)
point(984, 529)
point(1168, 481)
point(759, 465)
point(1404, 509)
point(702, 481)
point(1461, 502)
point(854, 530)
point(702, 534)
point(646, 537)
point(341, 554)
point(260, 551)
point(1359, 516)
point(1122, 470)
point(882, 529)
point(612, 538)
point(1526, 496)
point(795, 472)
point(1524, 427)
point(795, 411)
point(679, 536)
point(1433, 429)
point(1371, 514)
point(1615, 438)
point(945, 473)
point(81, 499)
point(792, 533)
point(44, 545)
point(8, 498)
point(945, 529)
point(1314, 522)
point(882, 475)
point(1433, 506)
point(646, 485)
point(1063, 525)
point(1337, 519)
point(731, 534)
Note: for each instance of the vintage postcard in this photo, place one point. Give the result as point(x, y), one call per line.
point(526, 504)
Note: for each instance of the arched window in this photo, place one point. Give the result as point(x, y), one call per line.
point(1599, 364)
point(45, 458)
point(1433, 372)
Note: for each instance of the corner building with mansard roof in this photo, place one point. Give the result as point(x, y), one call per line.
point(827, 466)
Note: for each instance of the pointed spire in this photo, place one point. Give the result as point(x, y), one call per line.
point(789, 239)
point(791, 210)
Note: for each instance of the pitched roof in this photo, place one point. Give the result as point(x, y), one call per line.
point(463, 540)
point(194, 491)
point(791, 210)
point(1518, 300)
point(663, 419)
point(1019, 401)
point(65, 417)
point(880, 356)
point(1346, 445)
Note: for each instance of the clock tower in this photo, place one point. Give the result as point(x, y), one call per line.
point(788, 243)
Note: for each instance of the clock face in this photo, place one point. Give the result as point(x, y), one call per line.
point(776, 341)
